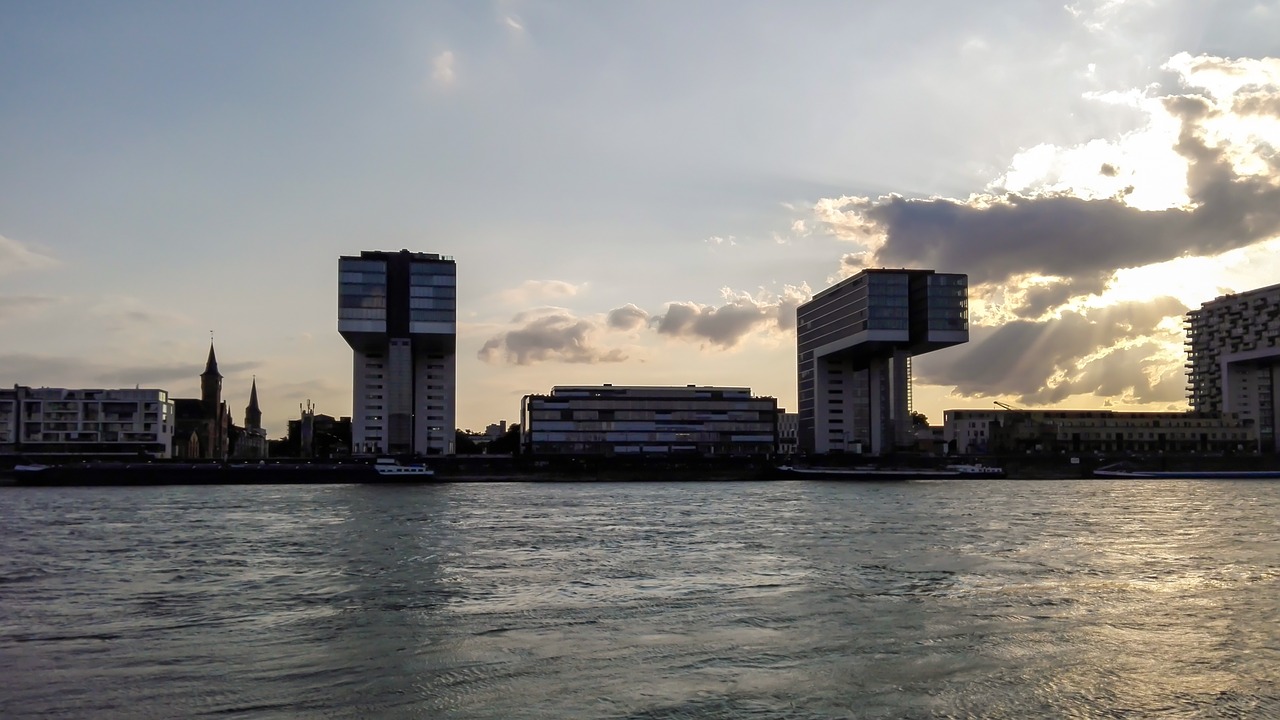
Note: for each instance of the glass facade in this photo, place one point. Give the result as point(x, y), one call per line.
point(854, 341)
point(398, 312)
point(609, 420)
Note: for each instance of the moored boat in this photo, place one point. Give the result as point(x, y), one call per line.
point(391, 469)
point(215, 473)
point(1126, 470)
point(977, 470)
point(866, 473)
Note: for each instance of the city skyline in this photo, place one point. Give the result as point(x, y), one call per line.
point(633, 194)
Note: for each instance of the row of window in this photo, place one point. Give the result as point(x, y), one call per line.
point(439, 316)
point(423, 278)
point(377, 277)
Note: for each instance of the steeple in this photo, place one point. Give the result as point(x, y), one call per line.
point(211, 365)
point(211, 384)
point(252, 415)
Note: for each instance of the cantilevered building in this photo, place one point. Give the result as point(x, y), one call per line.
point(855, 341)
point(398, 312)
point(1233, 360)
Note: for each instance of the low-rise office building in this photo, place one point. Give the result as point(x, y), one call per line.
point(969, 432)
point(788, 433)
point(59, 421)
point(613, 420)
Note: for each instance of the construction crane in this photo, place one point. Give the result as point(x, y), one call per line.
point(1007, 406)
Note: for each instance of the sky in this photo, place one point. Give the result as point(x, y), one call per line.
point(636, 193)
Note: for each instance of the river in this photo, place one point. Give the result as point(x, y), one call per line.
point(950, 599)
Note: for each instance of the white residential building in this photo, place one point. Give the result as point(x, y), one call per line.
point(59, 421)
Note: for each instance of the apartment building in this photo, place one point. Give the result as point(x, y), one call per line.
point(60, 421)
point(970, 432)
point(1233, 360)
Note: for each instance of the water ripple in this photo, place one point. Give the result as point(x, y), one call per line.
point(987, 599)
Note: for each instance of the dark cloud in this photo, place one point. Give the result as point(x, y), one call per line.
point(1000, 239)
point(627, 317)
point(741, 314)
point(301, 390)
point(554, 334)
point(54, 371)
point(725, 325)
point(1036, 300)
point(1049, 361)
point(1257, 104)
point(160, 375)
point(1108, 170)
point(545, 336)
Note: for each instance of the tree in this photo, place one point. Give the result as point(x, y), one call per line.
point(465, 445)
point(919, 420)
point(508, 444)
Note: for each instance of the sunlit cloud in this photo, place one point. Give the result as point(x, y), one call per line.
point(442, 69)
point(15, 257)
point(1066, 250)
point(541, 292)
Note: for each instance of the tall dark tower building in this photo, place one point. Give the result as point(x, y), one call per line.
point(211, 384)
point(399, 313)
point(253, 415)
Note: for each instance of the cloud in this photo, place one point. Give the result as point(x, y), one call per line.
point(540, 291)
point(14, 257)
point(1232, 201)
point(71, 372)
point(442, 69)
point(718, 240)
point(627, 317)
point(1120, 350)
point(549, 334)
point(741, 314)
point(302, 389)
point(513, 23)
point(17, 305)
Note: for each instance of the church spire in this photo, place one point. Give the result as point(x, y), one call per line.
point(211, 365)
point(211, 384)
point(252, 414)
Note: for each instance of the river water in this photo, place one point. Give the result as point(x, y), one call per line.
point(991, 599)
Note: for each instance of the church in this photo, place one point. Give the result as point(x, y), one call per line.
point(202, 426)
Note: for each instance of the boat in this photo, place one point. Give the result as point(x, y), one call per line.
point(866, 473)
point(216, 473)
point(392, 469)
point(977, 470)
point(1126, 470)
